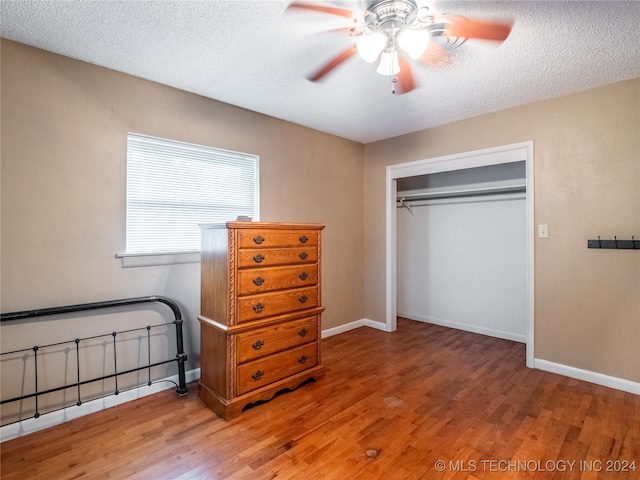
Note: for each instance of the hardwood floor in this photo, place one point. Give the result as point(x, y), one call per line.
point(391, 406)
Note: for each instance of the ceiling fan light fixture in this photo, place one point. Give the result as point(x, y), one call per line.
point(389, 63)
point(371, 45)
point(414, 41)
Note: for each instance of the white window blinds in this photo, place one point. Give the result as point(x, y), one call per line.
point(174, 186)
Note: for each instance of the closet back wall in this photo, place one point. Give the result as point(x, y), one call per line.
point(462, 264)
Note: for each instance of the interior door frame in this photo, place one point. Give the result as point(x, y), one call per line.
point(516, 152)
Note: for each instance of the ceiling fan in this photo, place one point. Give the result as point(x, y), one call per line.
point(389, 31)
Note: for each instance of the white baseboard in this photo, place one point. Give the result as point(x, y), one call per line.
point(466, 327)
point(31, 425)
point(588, 376)
point(364, 322)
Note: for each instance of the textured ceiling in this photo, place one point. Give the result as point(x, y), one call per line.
point(255, 55)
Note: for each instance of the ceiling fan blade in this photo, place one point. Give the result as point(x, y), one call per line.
point(343, 56)
point(342, 12)
point(463, 27)
point(435, 55)
point(406, 82)
point(354, 31)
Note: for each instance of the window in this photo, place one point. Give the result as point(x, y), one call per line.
point(174, 186)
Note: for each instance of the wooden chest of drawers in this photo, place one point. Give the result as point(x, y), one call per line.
point(260, 312)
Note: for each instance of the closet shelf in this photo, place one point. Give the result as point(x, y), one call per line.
point(471, 192)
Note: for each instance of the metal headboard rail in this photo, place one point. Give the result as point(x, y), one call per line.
point(180, 358)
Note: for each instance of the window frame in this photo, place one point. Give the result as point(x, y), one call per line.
point(141, 258)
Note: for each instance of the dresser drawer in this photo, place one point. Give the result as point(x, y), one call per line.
point(266, 257)
point(258, 238)
point(265, 341)
point(275, 367)
point(263, 305)
point(276, 278)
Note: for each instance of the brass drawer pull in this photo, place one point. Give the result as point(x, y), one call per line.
point(303, 276)
point(258, 307)
point(303, 359)
point(258, 239)
point(257, 345)
point(303, 299)
point(303, 255)
point(258, 258)
point(304, 239)
point(258, 281)
point(303, 332)
point(258, 375)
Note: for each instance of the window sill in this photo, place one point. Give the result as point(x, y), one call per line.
point(152, 259)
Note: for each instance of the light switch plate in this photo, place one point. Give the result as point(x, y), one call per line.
point(543, 231)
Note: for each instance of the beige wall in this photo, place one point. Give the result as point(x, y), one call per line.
point(64, 126)
point(587, 183)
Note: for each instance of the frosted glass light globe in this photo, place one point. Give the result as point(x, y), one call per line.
point(414, 42)
point(370, 46)
point(389, 63)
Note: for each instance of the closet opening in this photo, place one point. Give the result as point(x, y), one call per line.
point(460, 242)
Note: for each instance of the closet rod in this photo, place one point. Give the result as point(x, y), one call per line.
point(472, 192)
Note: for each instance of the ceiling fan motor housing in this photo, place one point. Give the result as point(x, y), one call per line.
point(390, 16)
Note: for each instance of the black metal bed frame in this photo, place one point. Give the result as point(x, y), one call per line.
point(180, 357)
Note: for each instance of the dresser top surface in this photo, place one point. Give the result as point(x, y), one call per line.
point(271, 225)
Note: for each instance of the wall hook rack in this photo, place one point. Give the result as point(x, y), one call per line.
point(615, 244)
